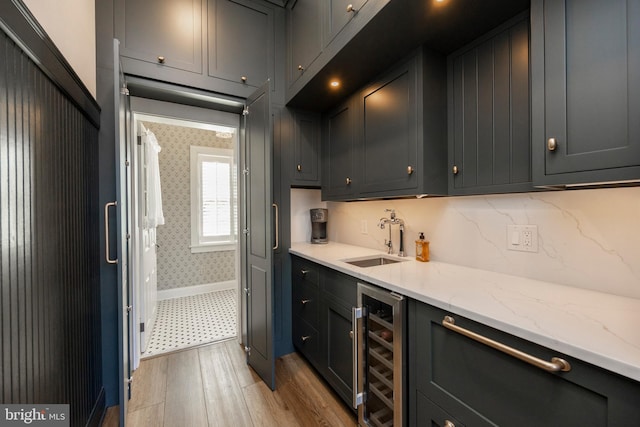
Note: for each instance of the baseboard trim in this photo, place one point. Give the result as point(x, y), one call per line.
point(196, 290)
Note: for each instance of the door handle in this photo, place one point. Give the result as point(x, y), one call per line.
point(277, 228)
point(356, 313)
point(107, 246)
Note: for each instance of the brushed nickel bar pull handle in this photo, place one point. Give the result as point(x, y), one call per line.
point(107, 246)
point(556, 364)
point(304, 338)
point(356, 313)
point(305, 301)
point(304, 272)
point(277, 228)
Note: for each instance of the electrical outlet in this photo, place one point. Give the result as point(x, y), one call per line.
point(363, 226)
point(522, 238)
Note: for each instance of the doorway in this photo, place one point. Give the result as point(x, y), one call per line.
point(187, 268)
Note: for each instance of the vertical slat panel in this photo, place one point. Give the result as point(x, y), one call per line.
point(49, 243)
point(470, 114)
point(502, 115)
point(520, 121)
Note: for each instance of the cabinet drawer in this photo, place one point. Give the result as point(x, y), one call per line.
point(305, 271)
point(467, 378)
point(340, 287)
point(305, 302)
point(428, 413)
point(306, 339)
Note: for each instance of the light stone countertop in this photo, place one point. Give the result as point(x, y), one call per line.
point(596, 327)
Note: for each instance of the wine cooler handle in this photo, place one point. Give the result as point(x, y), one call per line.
point(356, 313)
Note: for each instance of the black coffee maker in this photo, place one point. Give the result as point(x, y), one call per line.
point(319, 225)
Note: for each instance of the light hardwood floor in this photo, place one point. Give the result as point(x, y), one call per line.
point(213, 386)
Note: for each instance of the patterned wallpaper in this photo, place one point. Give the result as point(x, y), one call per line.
point(177, 266)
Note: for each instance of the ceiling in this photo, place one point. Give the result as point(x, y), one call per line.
point(399, 28)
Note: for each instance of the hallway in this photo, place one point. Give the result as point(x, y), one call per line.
point(212, 386)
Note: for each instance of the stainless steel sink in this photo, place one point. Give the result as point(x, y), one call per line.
point(372, 261)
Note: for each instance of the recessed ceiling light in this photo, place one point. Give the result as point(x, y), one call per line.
point(334, 83)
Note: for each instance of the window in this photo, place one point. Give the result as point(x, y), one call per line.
point(213, 199)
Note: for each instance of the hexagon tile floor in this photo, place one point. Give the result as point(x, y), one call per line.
point(194, 320)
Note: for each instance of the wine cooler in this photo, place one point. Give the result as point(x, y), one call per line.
point(378, 351)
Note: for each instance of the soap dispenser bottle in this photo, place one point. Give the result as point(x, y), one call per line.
point(422, 248)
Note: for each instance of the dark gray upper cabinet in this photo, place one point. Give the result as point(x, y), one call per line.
point(388, 148)
point(152, 33)
point(305, 168)
point(585, 58)
point(339, 177)
point(338, 14)
point(304, 36)
point(226, 46)
point(482, 386)
point(489, 124)
point(240, 41)
point(399, 135)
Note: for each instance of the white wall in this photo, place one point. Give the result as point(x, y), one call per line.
point(71, 24)
point(587, 238)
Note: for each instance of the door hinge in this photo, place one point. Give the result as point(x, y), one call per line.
point(127, 163)
point(245, 171)
point(124, 91)
point(129, 380)
point(142, 327)
point(128, 236)
point(129, 308)
point(245, 111)
point(245, 231)
point(247, 350)
point(247, 291)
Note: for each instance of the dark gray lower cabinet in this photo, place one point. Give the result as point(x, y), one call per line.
point(322, 301)
point(454, 376)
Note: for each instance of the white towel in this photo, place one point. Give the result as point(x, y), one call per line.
point(155, 215)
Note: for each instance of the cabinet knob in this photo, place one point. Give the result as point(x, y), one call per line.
point(300, 68)
point(305, 301)
point(161, 59)
point(348, 181)
point(299, 168)
point(448, 423)
point(552, 144)
point(304, 272)
point(351, 334)
point(304, 338)
point(244, 79)
point(350, 8)
point(409, 170)
point(455, 170)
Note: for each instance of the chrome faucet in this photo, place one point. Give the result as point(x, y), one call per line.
point(393, 220)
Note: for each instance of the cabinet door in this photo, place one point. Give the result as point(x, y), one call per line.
point(424, 412)
point(167, 32)
point(489, 138)
point(241, 41)
point(586, 58)
point(338, 14)
point(306, 148)
point(469, 379)
point(304, 37)
point(337, 345)
point(338, 176)
point(389, 129)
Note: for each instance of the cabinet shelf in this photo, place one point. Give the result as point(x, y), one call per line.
point(382, 392)
point(375, 335)
point(382, 418)
point(384, 375)
point(380, 321)
point(383, 355)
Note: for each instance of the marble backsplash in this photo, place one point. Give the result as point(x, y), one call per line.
point(588, 238)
